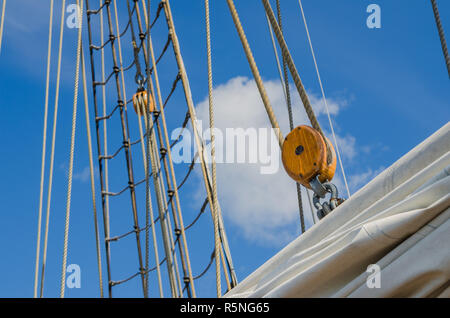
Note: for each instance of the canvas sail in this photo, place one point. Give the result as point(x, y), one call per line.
point(399, 222)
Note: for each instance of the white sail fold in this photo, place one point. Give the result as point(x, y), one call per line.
point(397, 226)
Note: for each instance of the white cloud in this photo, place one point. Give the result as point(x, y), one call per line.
point(82, 176)
point(264, 207)
point(347, 146)
point(319, 104)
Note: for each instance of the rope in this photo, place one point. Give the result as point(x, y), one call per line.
point(115, 283)
point(166, 46)
point(181, 227)
point(162, 157)
point(276, 57)
point(291, 121)
point(227, 277)
point(72, 153)
point(285, 73)
point(441, 35)
point(286, 99)
point(102, 4)
point(222, 256)
point(163, 207)
point(225, 245)
point(198, 140)
point(52, 155)
point(202, 210)
point(295, 76)
point(172, 265)
point(183, 127)
point(128, 155)
point(44, 143)
point(3, 21)
point(255, 71)
point(159, 185)
point(311, 207)
point(149, 208)
point(213, 151)
point(190, 169)
point(91, 169)
point(211, 260)
point(174, 86)
point(105, 143)
point(324, 99)
point(103, 178)
point(164, 199)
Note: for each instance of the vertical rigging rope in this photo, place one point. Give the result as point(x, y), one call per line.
point(198, 140)
point(105, 199)
point(285, 73)
point(127, 150)
point(149, 208)
point(286, 99)
point(441, 35)
point(91, 170)
point(324, 99)
point(103, 174)
point(276, 57)
point(158, 151)
point(254, 69)
point(119, 42)
point(72, 152)
point(213, 159)
point(291, 120)
point(2, 22)
point(52, 154)
point(44, 143)
point(160, 196)
point(296, 77)
point(188, 274)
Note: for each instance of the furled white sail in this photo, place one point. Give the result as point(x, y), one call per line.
point(400, 221)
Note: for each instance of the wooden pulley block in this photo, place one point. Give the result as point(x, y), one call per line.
point(140, 103)
point(304, 155)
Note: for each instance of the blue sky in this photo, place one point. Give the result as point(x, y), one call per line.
point(388, 88)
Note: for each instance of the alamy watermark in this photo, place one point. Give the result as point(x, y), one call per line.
point(73, 279)
point(232, 145)
point(374, 19)
point(74, 17)
point(374, 278)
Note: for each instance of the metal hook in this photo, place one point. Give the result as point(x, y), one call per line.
point(320, 190)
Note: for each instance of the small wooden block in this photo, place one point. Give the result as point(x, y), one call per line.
point(140, 102)
point(304, 156)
